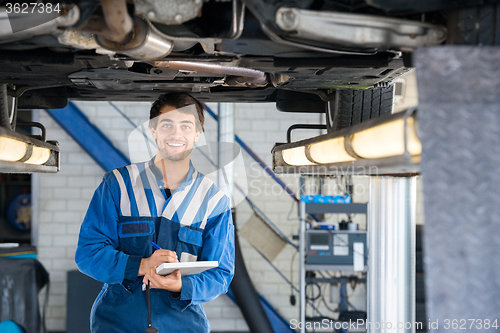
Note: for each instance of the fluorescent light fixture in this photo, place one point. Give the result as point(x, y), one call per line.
point(381, 141)
point(296, 156)
point(39, 156)
point(387, 140)
point(385, 145)
point(12, 149)
point(330, 151)
point(21, 153)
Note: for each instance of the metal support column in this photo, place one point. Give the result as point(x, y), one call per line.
point(391, 246)
point(225, 152)
point(242, 288)
point(302, 271)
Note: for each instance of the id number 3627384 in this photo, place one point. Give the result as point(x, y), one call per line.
point(32, 8)
point(462, 324)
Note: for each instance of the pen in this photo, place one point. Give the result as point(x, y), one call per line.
point(156, 246)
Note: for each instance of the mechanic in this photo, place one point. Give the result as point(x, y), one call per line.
point(167, 201)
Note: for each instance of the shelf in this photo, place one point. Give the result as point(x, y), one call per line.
point(324, 267)
point(321, 208)
point(343, 279)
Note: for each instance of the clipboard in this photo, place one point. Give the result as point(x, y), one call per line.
point(186, 268)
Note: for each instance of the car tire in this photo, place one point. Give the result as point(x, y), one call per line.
point(474, 25)
point(351, 107)
point(8, 109)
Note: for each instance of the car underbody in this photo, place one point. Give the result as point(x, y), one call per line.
point(220, 51)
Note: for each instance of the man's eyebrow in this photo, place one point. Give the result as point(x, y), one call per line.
point(171, 121)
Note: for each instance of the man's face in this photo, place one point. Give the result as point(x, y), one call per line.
point(175, 134)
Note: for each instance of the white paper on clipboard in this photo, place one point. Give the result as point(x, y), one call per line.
point(186, 268)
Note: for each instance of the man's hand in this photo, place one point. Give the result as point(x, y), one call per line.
point(171, 282)
point(157, 258)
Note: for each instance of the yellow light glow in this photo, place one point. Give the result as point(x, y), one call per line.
point(39, 156)
point(381, 141)
point(296, 156)
point(414, 144)
point(11, 149)
point(386, 140)
point(330, 151)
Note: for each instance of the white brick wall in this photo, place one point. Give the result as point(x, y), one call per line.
point(64, 198)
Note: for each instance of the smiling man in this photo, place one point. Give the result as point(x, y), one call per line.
point(166, 201)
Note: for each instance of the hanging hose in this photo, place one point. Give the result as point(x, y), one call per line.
point(245, 295)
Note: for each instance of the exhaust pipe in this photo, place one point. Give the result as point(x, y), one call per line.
point(118, 21)
point(143, 44)
point(237, 76)
point(117, 31)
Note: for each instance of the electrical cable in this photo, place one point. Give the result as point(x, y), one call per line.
point(341, 303)
point(315, 297)
point(353, 283)
point(343, 307)
point(314, 308)
point(318, 301)
point(291, 278)
point(345, 298)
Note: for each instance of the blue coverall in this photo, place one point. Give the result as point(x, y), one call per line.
point(129, 210)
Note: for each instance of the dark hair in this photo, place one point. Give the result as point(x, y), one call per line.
point(177, 100)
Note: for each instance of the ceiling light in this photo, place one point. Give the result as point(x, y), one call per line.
point(21, 153)
point(296, 156)
point(12, 149)
point(387, 140)
point(330, 151)
point(388, 144)
point(39, 156)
